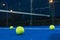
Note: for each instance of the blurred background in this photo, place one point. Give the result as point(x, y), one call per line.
point(29, 6)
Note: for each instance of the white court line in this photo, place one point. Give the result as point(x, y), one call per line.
point(6, 28)
point(41, 28)
point(35, 28)
point(24, 13)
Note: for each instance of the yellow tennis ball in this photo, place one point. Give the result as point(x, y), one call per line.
point(19, 30)
point(11, 27)
point(52, 27)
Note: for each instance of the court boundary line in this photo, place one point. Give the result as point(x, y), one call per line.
point(35, 28)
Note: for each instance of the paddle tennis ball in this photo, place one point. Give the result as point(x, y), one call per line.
point(11, 27)
point(51, 27)
point(19, 30)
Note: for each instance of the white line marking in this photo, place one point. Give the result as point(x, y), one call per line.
point(41, 28)
point(6, 28)
point(35, 28)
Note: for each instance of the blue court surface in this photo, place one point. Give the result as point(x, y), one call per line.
point(33, 15)
point(31, 33)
